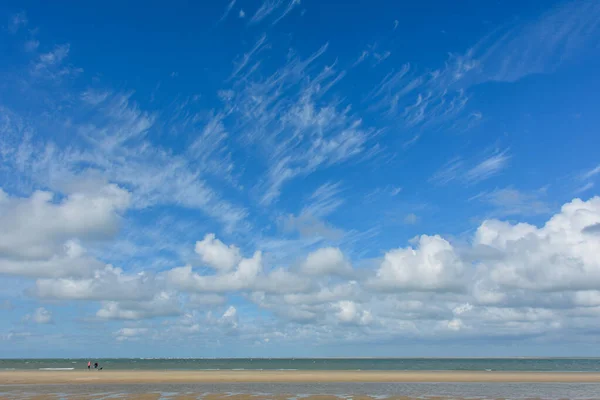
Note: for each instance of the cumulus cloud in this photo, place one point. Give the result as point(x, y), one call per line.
point(109, 283)
point(243, 277)
point(432, 265)
point(163, 304)
point(558, 256)
point(326, 261)
point(38, 227)
point(70, 261)
point(216, 254)
point(350, 313)
point(43, 238)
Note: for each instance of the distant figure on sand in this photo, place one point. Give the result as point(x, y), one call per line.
point(95, 365)
point(89, 364)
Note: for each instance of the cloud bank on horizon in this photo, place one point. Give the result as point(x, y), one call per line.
point(255, 176)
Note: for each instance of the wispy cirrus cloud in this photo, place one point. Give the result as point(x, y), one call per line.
point(265, 9)
point(510, 202)
point(422, 100)
point(458, 169)
point(116, 146)
point(449, 172)
point(287, 115)
point(429, 99)
point(310, 221)
point(245, 60)
point(561, 34)
point(591, 173)
point(586, 180)
point(374, 53)
point(290, 6)
point(17, 21)
point(227, 10)
point(269, 7)
point(488, 167)
point(52, 65)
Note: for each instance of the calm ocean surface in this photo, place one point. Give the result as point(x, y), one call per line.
point(392, 364)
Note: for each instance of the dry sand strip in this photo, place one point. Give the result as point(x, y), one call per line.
point(132, 377)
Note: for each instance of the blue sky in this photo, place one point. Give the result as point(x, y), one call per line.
point(287, 178)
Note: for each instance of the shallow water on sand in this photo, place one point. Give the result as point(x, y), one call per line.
point(287, 391)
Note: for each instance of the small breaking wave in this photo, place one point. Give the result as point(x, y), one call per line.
point(56, 369)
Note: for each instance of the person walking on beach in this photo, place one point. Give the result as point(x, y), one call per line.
point(89, 364)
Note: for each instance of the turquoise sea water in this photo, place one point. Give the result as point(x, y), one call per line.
point(379, 364)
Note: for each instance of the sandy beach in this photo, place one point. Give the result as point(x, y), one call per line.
point(134, 377)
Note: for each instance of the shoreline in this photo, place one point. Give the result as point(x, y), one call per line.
point(79, 377)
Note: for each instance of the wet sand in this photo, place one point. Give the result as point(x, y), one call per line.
point(135, 377)
point(214, 396)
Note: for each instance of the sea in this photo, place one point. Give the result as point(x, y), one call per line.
point(314, 364)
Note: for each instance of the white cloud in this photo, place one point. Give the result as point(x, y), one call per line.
point(488, 167)
point(161, 305)
point(55, 56)
point(448, 172)
point(247, 275)
point(109, 283)
point(245, 60)
point(433, 265)
point(51, 65)
point(40, 316)
point(458, 170)
point(42, 238)
point(116, 148)
point(242, 278)
point(584, 188)
point(228, 10)
point(298, 133)
point(130, 333)
point(266, 9)
point(37, 228)
point(324, 201)
point(291, 5)
point(591, 173)
point(216, 254)
point(350, 313)
point(557, 257)
point(70, 261)
point(326, 261)
point(562, 34)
